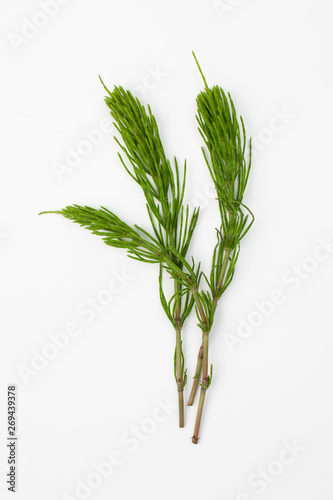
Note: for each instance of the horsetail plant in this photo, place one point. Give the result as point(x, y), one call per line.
point(172, 223)
point(225, 139)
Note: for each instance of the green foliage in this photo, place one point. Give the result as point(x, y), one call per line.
point(225, 139)
point(115, 232)
point(171, 221)
point(149, 167)
point(206, 302)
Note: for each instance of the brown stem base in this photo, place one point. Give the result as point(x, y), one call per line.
point(181, 408)
point(195, 437)
point(204, 386)
point(196, 377)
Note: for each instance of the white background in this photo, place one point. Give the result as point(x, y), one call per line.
point(273, 387)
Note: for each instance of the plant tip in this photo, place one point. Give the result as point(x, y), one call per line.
point(200, 70)
point(50, 212)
